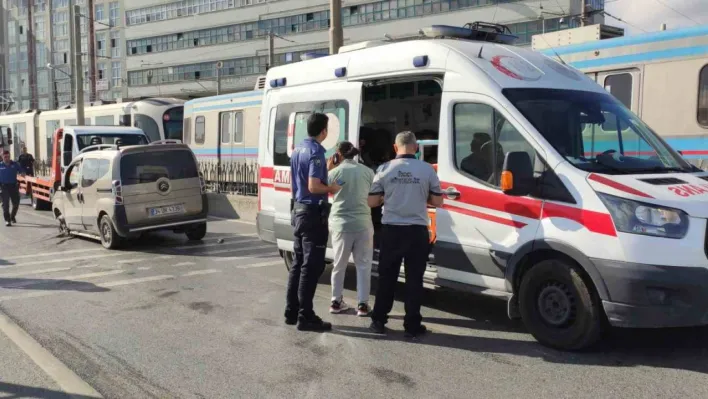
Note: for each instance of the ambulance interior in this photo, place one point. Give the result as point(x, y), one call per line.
point(389, 108)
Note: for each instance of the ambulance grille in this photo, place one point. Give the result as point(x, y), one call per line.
point(663, 181)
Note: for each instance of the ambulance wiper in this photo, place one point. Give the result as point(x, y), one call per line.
point(612, 168)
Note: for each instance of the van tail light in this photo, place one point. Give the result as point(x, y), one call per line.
point(202, 183)
point(117, 192)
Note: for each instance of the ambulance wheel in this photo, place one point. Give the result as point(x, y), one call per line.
point(288, 258)
point(109, 237)
point(558, 307)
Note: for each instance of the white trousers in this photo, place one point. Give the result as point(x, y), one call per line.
point(361, 245)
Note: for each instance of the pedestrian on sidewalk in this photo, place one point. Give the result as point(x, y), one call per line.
point(350, 226)
point(9, 170)
point(404, 186)
point(310, 210)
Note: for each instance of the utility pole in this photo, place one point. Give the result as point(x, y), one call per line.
point(72, 45)
point(583, 14)
point(31, 56)
point(271, 50)
point(336, 36)
point(77, 60)
point(219, 65)
point(92, 52)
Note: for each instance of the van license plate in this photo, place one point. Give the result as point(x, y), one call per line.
point(166, 210)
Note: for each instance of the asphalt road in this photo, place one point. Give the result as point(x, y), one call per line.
point(171, 319)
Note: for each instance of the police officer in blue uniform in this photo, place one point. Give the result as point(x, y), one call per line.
point(309, 213)
point(9, 170)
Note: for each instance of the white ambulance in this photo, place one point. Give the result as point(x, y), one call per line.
point(556, 195)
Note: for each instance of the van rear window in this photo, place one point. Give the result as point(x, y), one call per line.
point(150, 166)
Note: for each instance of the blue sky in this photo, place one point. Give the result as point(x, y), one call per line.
point(648, 15)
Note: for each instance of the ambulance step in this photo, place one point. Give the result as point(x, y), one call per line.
point(441, 282)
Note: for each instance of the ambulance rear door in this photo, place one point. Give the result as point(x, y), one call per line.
point(341, 101)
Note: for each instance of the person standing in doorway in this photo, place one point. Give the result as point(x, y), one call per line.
point(351, 227)
point(9, 170)
point(404, 186)
point(26, 160)
point(309, 216)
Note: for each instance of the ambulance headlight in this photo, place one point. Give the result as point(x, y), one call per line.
point(647, 219)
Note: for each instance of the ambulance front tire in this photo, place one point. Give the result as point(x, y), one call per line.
point(559, 308)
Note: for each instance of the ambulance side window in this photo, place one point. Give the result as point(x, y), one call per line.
point(482, 138)
point(292, 118)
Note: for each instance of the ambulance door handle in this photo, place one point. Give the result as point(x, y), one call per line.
point(452, 193)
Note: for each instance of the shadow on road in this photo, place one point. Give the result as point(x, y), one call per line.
point(49, 285)
point(22, 391)
point(677, 348)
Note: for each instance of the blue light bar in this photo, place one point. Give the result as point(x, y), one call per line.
point(340, 72)
point(274, 83)
point(282, 82)
point(420, 61)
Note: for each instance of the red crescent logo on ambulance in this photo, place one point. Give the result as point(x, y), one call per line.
point(515, 68)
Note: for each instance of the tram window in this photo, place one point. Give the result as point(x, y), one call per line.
point(703, 97)
point(148, 125)
point(199, 130)
point(620, 86)
point(106, 120)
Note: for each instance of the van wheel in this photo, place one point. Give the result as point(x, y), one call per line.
point(197, 233)
point(557, 306)
point(109, 237)
point(288, 258)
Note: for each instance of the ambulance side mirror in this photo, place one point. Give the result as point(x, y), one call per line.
point(517, 174)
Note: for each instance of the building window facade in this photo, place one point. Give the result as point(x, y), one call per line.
point(380, 11)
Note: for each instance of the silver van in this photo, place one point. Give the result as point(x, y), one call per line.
point(113, 193)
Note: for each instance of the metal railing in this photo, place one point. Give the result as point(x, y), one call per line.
point(239, 178)
point(228, 178)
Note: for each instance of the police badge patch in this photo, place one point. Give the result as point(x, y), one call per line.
point(318, 162)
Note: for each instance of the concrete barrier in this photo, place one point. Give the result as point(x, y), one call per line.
point(233, 206)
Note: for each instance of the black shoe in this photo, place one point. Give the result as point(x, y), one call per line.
point(290, 319)
point(313, 324)
point(378, 327)
point(14, 220)
point(415, 332)
point(8, 224)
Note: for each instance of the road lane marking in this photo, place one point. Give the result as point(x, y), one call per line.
point(144, 268)
point(42, 271)
point(184, 264)
point(227, 241)
point(67, 380)
point(199, 272)
point(262, 264)
point(136, 281)
point(67, 278)
point(237, 258)
point(165, 257)
point(41, 254)
point(223, 251)
point(78, 258)
point(124, 261)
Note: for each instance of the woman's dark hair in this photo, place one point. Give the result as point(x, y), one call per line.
point(347, 150)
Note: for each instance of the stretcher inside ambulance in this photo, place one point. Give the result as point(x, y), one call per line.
point(556, 196)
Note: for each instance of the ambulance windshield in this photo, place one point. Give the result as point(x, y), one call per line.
point(595, 132)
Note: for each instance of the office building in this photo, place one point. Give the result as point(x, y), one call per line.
point(38, 60)
point(149, 48)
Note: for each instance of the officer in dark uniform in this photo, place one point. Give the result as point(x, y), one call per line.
point(309, 213)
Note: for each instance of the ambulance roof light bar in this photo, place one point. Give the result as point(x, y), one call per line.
point(479, 31)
